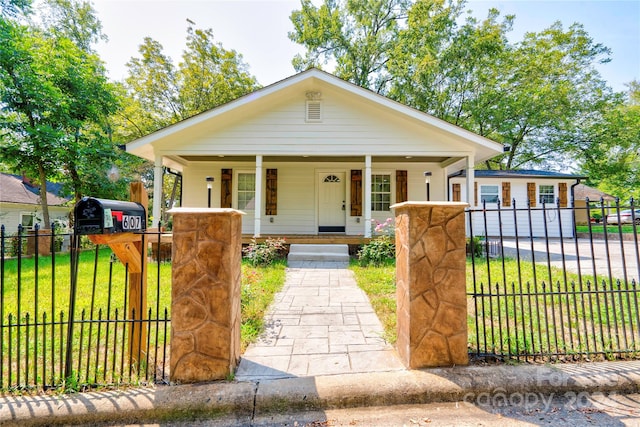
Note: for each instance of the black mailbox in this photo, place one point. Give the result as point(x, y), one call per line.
point(101, 216)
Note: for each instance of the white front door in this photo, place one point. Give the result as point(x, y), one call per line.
point(331, 202)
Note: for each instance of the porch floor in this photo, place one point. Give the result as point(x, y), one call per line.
point(332, 239)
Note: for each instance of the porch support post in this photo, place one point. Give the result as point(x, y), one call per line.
point(470, 180)
point(367, 196)
point(157, 191)
point(258, 197)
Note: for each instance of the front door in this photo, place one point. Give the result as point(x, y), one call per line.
point(331, 203)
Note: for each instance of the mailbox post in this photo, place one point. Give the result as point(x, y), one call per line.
point(118, 224)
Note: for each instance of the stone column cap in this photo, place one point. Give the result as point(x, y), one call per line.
point(429, 204)
point(205, 210)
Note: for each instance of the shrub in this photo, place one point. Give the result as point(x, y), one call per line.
point(262, 254)
point(378, 251)
point(475, 246)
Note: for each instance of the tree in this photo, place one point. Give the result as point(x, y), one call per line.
point(357, 35)
point(532, 95)
point(56, 100)
point(609, 149)
point(159, 93)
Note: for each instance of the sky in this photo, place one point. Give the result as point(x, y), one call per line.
point(258, 29)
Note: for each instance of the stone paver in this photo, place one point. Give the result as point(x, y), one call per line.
point(321, 323)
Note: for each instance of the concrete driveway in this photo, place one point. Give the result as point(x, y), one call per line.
point(617, 259)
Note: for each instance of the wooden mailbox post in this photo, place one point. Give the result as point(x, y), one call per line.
point(130, 248)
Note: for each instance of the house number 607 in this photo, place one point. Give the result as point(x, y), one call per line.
point(130, 222)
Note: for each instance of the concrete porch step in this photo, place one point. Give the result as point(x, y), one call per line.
point(300, 255)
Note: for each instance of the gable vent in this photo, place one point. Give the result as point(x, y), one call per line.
point(314, 111)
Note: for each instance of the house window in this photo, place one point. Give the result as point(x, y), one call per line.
point(28, 220)
point(546, 194)
point(246, 191)
point(489, 193)
point(380, 193)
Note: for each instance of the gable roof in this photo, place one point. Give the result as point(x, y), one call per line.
point(16, 189)
point(306, 80)
point(520, 173)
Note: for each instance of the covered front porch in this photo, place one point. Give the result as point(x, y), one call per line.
point(310, 195)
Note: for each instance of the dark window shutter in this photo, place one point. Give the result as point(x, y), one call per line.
point(562, 194)
point(271, 207)
point(456, 192)
point(531, 193)
point(356, 192)
point(225, 188)
point(401, 186)
point(506, 194)
point(475, 193)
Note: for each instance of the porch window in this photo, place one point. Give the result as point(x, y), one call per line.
point(380, 193)
point(28, 220)
point(246, 191)
point(489, 193)
point(546, 194)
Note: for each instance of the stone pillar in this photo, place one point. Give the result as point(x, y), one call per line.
point(431, 284)
point(205, 293)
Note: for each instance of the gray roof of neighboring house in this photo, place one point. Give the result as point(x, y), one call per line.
point(582, 191)
point(521, 173)
point(15, 189)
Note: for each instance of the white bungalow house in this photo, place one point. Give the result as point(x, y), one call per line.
point(20, 203)
point(515, 190)
point(311, 154)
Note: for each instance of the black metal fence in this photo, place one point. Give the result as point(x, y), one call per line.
point(66, 316)
point(556, 290)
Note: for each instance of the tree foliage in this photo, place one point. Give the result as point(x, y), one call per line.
point(357, 36)
point(159, 93)
point(609, 148)
point(534, 95)
point(56, 102)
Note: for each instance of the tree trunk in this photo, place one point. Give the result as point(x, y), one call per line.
point(44, 203)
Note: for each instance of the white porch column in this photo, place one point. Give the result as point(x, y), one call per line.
point(471, 178)
point(258, 197)
point(157, 191)
point(367, 196)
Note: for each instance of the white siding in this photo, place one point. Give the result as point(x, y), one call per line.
point(10, 215)
point(349, 126)
point(557, 222)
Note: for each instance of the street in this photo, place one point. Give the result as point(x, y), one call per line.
point(499, 410)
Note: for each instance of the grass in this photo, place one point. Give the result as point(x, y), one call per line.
point(380, 286)
point(611, 229)
point(259, 286)
point(34, 354)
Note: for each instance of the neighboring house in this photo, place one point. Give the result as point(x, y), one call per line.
point(583, 192)
point(20, 203)
point(311, 154)
point(523, 188)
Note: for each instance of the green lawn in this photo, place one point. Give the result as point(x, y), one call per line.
point(611, 229)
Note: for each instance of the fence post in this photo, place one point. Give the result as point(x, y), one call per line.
point(205, 293)
point(138, 283)
point(431, 284)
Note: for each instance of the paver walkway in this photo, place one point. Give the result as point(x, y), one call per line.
point(321, 323)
